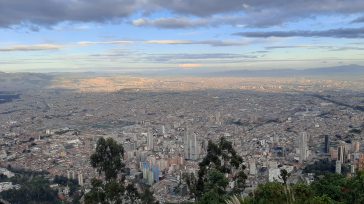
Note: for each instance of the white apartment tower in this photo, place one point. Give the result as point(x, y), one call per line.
point(252, 167)
point(302, 143)
point(340, 152)
point(191, 146)
point(164, 131)
point(217, 118)
point(80, 179)
point(357, 146)
point(338, 167)
point(150, 141)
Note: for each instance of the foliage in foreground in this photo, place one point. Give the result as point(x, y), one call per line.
point(211, 185)
point(331, 189)
point(34, 189)
point(108, 161)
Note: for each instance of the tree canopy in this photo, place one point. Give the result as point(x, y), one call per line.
point(107, 158)
point(108, 161)
point(211, 184)
point(329, 189)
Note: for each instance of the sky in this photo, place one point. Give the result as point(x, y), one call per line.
point(158, 35)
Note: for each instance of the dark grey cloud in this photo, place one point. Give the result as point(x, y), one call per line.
point(184, 22)
point(249, 13)
point(200, 7)
point(171, 23)
point(326, 47)
point(298, 46)
point(220, 43)
point(334, 33)
point(266, 12)
point(50, 12)
point(194, 13)
point(358, 20)
point(264, 8)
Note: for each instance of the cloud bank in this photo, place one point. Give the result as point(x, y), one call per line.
point(185, 14)
point(334, 33)
point(37, 47)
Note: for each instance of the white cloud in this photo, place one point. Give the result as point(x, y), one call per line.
point(139, 22)
point(117, 42)
point(36, 47)
point(189, 66)
point(169, 42)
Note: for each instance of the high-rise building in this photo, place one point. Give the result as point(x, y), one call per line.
point(186, 143)
point(163, 131)
point(191, 146)
point(340, 154)
point(333, 153)
point(352, 168)
point(356, 146)
point(150, 141)
point(80, 179)
point(302, 143)
point(150, 177)
point(338, 167)
point(217, 117)
point(194, 147)
point(252, 168)
point(48, 132)
point(150, 173)
point(361, 163)
point(327, 144)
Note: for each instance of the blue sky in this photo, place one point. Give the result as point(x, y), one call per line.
point(140, 35)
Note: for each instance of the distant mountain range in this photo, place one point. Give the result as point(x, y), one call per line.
point(102, 81)
point(17, 81)
point(339, 71)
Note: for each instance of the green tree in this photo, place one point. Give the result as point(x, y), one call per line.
point(330, 189)
point(332, 185)
point(34, 190)
point(240, 179)
point(322, 200)
point(272, 192)
point(191, 181)
point(284, 176)
point(107, 159)
point(132, 193)
point(239, 200)
point(302, 192)
point(216, 184)
point(221, 159)
point(97, 194)
point(147, 197)
point(354, 189)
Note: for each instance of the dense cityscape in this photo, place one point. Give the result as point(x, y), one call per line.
point(165, 134)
